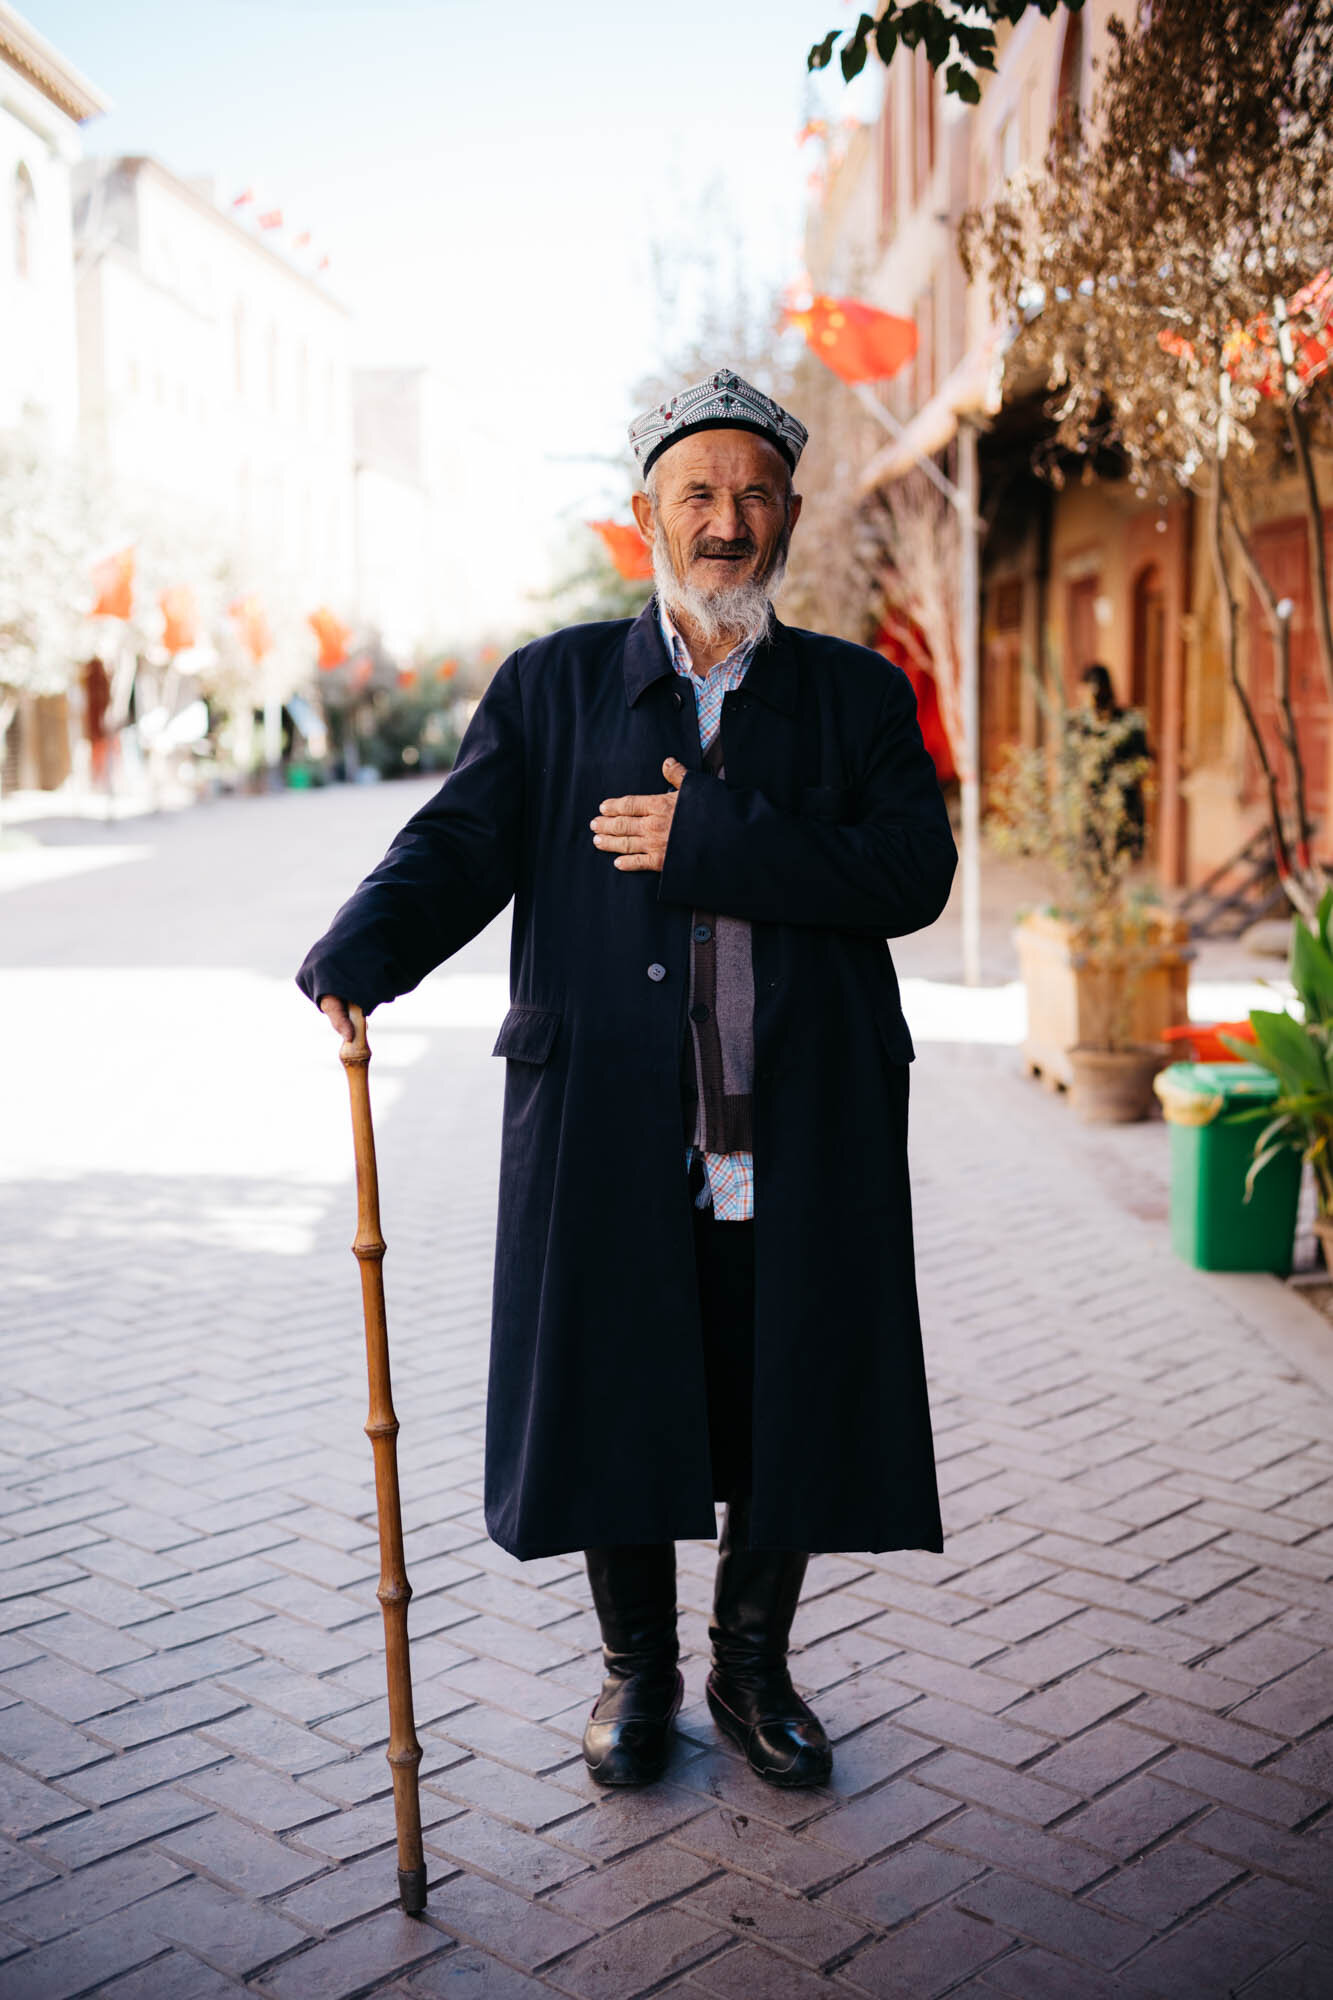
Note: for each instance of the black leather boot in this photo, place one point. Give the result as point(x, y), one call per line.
point(749, 1689)
point(629, 1731)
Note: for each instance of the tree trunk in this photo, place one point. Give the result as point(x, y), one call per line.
point(1314, 525)
point(1227, 607)
point(1279, 627)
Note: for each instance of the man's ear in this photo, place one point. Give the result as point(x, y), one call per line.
point(643, 515)
point(794, 506)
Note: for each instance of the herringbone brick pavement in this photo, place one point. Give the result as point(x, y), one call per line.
point(1086, 1752)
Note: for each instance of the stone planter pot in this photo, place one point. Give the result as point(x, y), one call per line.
point(1066, 995)
point(1114, 1086)
point(1323, 1229)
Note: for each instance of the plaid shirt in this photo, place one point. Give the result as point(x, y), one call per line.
point(729, 1177)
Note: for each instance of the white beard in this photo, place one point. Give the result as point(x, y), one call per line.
point(735, 611)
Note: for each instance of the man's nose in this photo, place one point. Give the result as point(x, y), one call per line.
point(727, 523)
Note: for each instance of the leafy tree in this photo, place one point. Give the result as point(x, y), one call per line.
point(957, 38)
point(1162, 270)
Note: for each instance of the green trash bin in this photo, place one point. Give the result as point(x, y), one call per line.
point(1213, 1227)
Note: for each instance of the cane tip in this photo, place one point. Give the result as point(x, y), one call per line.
point(412, 1890)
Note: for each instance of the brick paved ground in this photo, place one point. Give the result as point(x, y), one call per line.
point(1087, 1752)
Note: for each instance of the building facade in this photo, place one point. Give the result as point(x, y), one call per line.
point(1091, 572)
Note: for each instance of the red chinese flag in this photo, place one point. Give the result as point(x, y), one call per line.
point(858, 342)
point(180, 618)
point(256, 636)
point(333, 637)
point(627, 549)
point(113, 585)
point(271, 219)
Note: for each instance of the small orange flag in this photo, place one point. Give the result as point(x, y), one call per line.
point(333, 637)
point(858, 342)
point(256, 635)
point(627, 549)
point(113, 585)
point(180, 618)
point(407, 677)
point(446, 670)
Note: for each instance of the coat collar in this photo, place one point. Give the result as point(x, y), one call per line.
point(771, 675)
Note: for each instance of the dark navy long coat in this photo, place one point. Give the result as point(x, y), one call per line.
point(829, 835)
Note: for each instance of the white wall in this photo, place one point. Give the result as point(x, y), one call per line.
point(37, 346)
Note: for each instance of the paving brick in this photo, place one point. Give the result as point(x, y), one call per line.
point(42, 1745)
point(162, 1715)
point(1071, 1706)
point(1181, 1722)
point(65, 1691)
point(1261, 1794)
point(238, 1856)
point(813, 1933)
point(751, 1973)
point(533, 1803)
point(489, 1847)
point(982, 1783)
point(1074, 1930)
point(124, 1823)
point(468, 1974)
point(641, 1954)
point(1292, 1706)
point(260, 1797)
point(1304, 1974)
point(749, 1846)
point(903, 1884)
point(85, 1963)
point(74, 1901)
point(883, 1819)
point(27, 1805)
point(482, 1912)
point(606, 1896)
point(508, 1739)
point(135, 1770)
point(1129, 1819)
point(1057, 1860)
point(615, 1825)
point(1160, 1890)
point(1264, 1848)
point(1212, 1955)
point(927, 1957)
point(175, 1976)
point(351, 1962)
point(234, 1935)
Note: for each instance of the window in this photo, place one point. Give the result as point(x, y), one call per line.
point(25, 223)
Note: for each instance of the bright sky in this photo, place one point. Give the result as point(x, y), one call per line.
point(490, 181)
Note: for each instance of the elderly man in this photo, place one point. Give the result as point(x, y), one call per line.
point(709, 824)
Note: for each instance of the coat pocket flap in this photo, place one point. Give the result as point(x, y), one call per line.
point(527, 1034)
point(897, 1035)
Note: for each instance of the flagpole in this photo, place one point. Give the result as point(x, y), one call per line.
point(963, 499)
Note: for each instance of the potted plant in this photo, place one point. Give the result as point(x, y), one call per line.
point(1299, 1053)
point(1104, 966)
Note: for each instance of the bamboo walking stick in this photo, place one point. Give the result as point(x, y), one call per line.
point(394, 1593)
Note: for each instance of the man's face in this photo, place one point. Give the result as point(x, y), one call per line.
point(724, 506)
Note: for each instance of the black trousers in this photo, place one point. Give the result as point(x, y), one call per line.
point(724, 1262)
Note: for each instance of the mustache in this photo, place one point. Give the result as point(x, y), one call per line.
point(713, 545)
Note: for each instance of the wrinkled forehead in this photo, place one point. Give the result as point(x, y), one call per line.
point(726, 458)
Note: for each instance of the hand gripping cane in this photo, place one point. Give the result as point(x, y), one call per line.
point(404, 1752)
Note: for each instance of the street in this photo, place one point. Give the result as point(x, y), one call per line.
point(1086, 1752)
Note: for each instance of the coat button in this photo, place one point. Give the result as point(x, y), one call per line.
point(678, 698)
point(699, 1012)
point(657, 971)
point(702, 933)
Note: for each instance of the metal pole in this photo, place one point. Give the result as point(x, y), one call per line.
point(969, 613)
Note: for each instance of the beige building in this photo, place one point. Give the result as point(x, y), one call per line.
point(1092, 572)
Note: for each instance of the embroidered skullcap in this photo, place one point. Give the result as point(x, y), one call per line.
point(725, 401)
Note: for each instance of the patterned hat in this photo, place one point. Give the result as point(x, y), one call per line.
point(724, 401)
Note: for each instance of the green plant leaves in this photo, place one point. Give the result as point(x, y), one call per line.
point(1288, 1049)
point(1312, 966)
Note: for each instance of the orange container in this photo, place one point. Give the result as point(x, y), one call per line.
point(1204, 1039)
